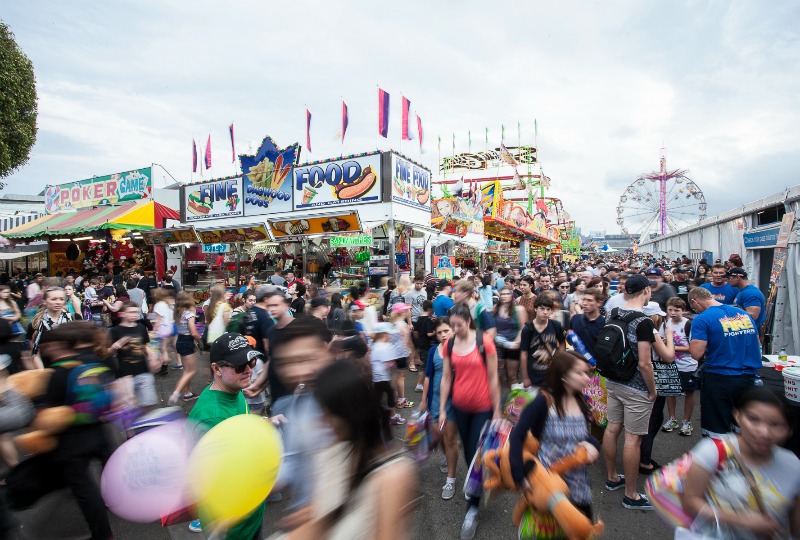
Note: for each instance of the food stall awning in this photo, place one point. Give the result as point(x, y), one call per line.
point(126, 216)
point(507, 230)
point(17, 253)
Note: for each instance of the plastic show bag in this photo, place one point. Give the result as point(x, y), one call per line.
point(668, 381)
point(494, 436)
point(418, 436)
point(517, 399)
point(664, 488)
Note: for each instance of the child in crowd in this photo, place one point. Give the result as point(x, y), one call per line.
point(184, 316)
point(129, 341)
point(381, 356)
point(424, 338)
point(431, 402)
point(681, 329)
point(401, 350)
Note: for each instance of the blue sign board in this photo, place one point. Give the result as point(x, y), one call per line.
point(765, 238)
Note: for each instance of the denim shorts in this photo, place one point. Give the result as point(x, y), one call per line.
point(184, 346)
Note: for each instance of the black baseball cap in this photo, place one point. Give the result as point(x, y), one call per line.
point(638, 282)
point(319, 301)
point(233, 349)
point(655, 271)
point(737, 271)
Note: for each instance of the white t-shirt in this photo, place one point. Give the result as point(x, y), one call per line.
point(683, 360)
point(778, 481)
point(380, 354)
point(33, 290)
point(616, 301)
point(165, 311)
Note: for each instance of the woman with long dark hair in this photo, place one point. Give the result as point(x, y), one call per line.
point(509, 318)
point(336, 315)
point(559, 418)
point(378, 495)
point(470, 370)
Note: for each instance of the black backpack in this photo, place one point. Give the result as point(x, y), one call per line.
point(478, 344)
point(615, 359)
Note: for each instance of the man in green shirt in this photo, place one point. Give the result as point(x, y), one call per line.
point(232, 363)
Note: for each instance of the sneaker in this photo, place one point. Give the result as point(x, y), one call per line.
point(637, 504)
point(397, 420)
point(686, 429)
point(176, 366)
point(448, 491)
point(191, 396)
point(194, 526)
point(669, 425)
point(614, 486)
point(470, 523)
point(173, 400)
point(443, 465)
point(418, 388)
point(400, 403)
point(408, 404)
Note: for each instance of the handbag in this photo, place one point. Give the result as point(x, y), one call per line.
point(668, 380)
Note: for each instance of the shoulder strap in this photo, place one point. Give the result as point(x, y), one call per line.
point(687, 328)
point(479, 345)
point(722, 450)
point(448, 350)
point(632, 316)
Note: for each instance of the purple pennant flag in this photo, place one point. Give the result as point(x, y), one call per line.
point(383, 113)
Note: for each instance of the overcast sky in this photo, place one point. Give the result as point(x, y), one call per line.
point(125, 84)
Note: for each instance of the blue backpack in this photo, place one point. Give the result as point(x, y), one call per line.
point(88, 391)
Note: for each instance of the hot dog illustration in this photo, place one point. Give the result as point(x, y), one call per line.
point(358, 187)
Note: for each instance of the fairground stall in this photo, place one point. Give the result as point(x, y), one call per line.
point(343, 220)
point(503, 187)
point(86, 223)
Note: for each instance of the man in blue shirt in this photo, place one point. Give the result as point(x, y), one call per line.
point(722, 292)
point(749, 297)
point(728, 338)
point(442, 303)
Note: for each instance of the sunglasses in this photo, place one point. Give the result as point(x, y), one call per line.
point(238, 369)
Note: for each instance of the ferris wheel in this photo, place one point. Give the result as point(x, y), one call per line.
point(660, 202)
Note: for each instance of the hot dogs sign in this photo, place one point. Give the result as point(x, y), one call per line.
point(338, 182)
point(217, 199)
point(411, 183)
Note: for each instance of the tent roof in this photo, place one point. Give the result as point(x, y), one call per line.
point(143, 215)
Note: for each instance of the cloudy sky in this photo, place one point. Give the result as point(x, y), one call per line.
point(124, 84)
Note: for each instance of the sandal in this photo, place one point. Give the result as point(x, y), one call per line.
point(412, 368)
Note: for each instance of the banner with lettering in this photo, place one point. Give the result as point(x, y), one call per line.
point(212, 200)
point(353, 180)
point(100, 190)
point(411, 183)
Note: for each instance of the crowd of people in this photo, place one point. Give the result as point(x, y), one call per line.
point(328, 368)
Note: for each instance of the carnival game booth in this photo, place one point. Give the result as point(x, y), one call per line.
point(86, 221)
point(337, 219)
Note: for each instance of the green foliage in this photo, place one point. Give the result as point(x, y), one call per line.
point(17, 104)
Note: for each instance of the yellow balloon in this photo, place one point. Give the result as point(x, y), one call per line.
point(234, 467)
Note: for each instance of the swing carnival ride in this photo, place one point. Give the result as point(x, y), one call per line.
point(659, 203)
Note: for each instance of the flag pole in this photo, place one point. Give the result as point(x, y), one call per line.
point(341, 142)
point(402, 96)
point(377, 117)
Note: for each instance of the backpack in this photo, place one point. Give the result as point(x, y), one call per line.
point(615, 359)
point(88, 391)
point(478, 343)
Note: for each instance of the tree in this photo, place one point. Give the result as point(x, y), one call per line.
point(18, 107)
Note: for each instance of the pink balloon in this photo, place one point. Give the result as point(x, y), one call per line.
point(146, 476)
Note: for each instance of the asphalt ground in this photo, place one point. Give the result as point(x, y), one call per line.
point(57, 516)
